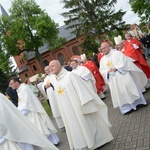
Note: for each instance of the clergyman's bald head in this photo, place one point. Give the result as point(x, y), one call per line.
point(105, 48)
point(55, 66)
point(47, 70)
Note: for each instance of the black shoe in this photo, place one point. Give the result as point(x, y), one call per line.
point(142, 105)
point(56, 144)
point(129, 112)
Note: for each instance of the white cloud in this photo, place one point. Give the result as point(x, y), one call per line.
point(54, 8)
point(130, 17)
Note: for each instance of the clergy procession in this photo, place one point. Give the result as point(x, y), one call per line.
point(93, 106)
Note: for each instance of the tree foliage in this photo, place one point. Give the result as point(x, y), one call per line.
point(92, 18)
point(27, 28)
point(145, 27)
point(6, 64)
point(142, 8)
point(3, 82)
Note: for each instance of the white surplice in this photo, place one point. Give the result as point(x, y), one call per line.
point(17, 132)
point(123, 87)
point(34, 89)
point(51, 94)
point(31, 107)
point(84, 114)
point(86, 75)
point(41, 89)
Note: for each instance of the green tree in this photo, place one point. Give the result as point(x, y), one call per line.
point(145, 27)
point(142, 8)
point(93, 19)
point(3, 82)
point(6, 64)
point(27, 28)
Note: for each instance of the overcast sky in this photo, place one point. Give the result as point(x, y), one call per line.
point(54, 8)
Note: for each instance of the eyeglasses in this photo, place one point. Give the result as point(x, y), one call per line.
point(104, 48)
point(11, 83)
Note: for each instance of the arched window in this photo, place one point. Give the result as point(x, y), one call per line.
point(34, 68)
point(61, 58)
point(46, 62)
point(21, 61)
point(26, 75)
point(75, 50)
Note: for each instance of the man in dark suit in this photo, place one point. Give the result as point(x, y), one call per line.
point(13, 95)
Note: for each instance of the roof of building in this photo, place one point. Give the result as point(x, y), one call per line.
point(3, 11)
point(66, 33)
point(24, 68)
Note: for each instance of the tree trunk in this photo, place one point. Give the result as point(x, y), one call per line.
point(40, 60)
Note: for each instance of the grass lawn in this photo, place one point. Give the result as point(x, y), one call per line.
point(47, 108)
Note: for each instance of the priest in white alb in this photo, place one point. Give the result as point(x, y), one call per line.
point(124, 78)
point(30, 106)
point(51, 95)
point(84, 73)
point(84, 114)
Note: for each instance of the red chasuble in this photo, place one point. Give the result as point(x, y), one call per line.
point(136, 54)
point(99, 56)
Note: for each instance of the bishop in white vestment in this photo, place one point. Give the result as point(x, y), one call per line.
point(51, 94)
point(125, 79)
point(30, 106)
point(84, 114)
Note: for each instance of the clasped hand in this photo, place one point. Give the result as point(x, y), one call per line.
point(112, 70)
point(47, 86)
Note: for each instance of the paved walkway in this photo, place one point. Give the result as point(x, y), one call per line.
point(131, 132)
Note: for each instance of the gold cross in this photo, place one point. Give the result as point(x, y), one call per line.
point(60, 91)
point(109, 64)
point(19, 100)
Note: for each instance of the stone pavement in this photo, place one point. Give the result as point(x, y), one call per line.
point(131, 132)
